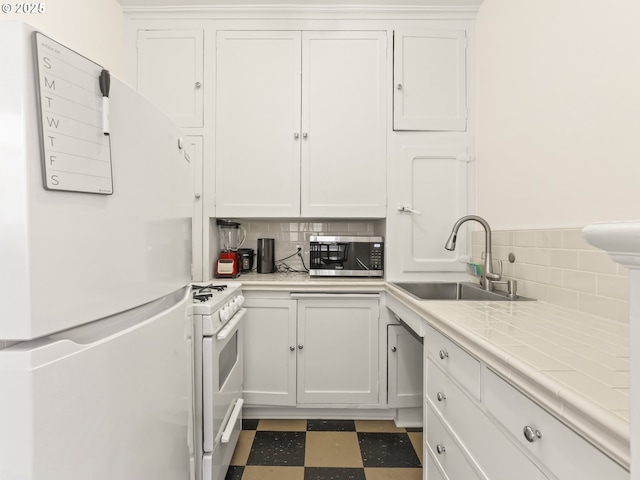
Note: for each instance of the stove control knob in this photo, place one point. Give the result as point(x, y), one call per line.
point(224, 314)
point(240, 300)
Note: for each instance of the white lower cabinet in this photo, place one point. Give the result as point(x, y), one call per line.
point(270, 351)
point(404, 368)
point(447, 451)
point(312, 351)
point(475, 422)
point(563, 452)
point(495, 455)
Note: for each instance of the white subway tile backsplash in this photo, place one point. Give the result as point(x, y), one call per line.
point(558, 266)
point(563, 297)
point(613, 286)
point(549, 239)
point(289, 234)
point(525, 238)
point(579, 281)
point(564, 259)
point(572, 239)
point(500, 238)
point(596, 261)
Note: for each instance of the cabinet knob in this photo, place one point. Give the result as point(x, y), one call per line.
point(197, 195)
point(305, 134)
point(198, 84)
point(440, 449)
point(443, 354)
point(441, 397)
point(399, 86)
point(394, 349)
point(300, 346)
point(530, 434)
point(292, 348)
point(296, 135)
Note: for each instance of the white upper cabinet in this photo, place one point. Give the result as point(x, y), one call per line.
point(431, 185)
point(429, 76)
point(258, 124)
point(343, 124)
point(170, 73)
point(300, 124)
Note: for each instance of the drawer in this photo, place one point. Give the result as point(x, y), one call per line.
point(459, 364)
point(496, 454)
point(448, 454)
point(447, 397)
point(433, 469)
point(562, 451)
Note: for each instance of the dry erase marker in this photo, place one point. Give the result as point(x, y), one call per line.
point(105, 83)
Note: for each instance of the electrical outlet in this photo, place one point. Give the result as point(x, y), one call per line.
point(299, 247)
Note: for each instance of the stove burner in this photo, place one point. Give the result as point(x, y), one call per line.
point(202, 297)
point(202, 293)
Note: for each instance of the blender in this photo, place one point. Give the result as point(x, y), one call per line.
point(231, 237)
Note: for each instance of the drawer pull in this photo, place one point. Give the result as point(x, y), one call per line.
point(441, 397)
point(440, 449)
point(530, 434)
point(443, 354)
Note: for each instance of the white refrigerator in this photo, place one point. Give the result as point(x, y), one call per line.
point(95, 266)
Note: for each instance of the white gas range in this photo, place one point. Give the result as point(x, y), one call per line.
point(217, 366)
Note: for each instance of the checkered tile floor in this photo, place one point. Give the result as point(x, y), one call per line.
point(326, 450)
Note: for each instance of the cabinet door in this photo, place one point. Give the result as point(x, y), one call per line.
point(433, 182)
point(343, 124)
point(269, 352)
point(338, 351)
point(170, 73)
point(258, 124)
point(429, 74)
point(404, 368)
point(194, 152)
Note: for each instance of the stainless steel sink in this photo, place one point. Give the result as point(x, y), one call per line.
point(453, 291)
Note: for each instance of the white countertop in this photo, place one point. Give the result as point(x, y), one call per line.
point(304, 282)
point(573, 364)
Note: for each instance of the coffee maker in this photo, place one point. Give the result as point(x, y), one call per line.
point(232, 235)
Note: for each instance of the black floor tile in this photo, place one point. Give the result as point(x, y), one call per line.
point(387, 450)
point(250, 424)
point(277, 449)
point(331, 473)
point(234, 473)
point(331, 426)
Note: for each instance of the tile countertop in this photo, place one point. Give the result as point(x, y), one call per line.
point(573, 364)
point(300, 281)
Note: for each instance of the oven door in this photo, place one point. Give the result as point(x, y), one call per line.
point(222, 377)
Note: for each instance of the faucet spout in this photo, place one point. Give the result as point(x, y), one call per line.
point(488, 275)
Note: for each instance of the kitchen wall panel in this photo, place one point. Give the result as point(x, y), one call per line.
point(557, 94)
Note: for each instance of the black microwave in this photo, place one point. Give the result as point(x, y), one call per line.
point(346, 256)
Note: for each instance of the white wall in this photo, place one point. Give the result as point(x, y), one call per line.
point(558, 85)
point(93, 28)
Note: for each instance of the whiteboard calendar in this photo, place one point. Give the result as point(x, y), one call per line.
point(76, 150)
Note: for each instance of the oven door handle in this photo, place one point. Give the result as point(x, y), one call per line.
point(228, 430)
point(231, 326)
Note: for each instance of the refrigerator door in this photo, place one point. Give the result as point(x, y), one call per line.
point(105, 401)
point(69, 258)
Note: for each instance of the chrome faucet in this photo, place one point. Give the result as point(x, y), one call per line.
point(488, 275)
